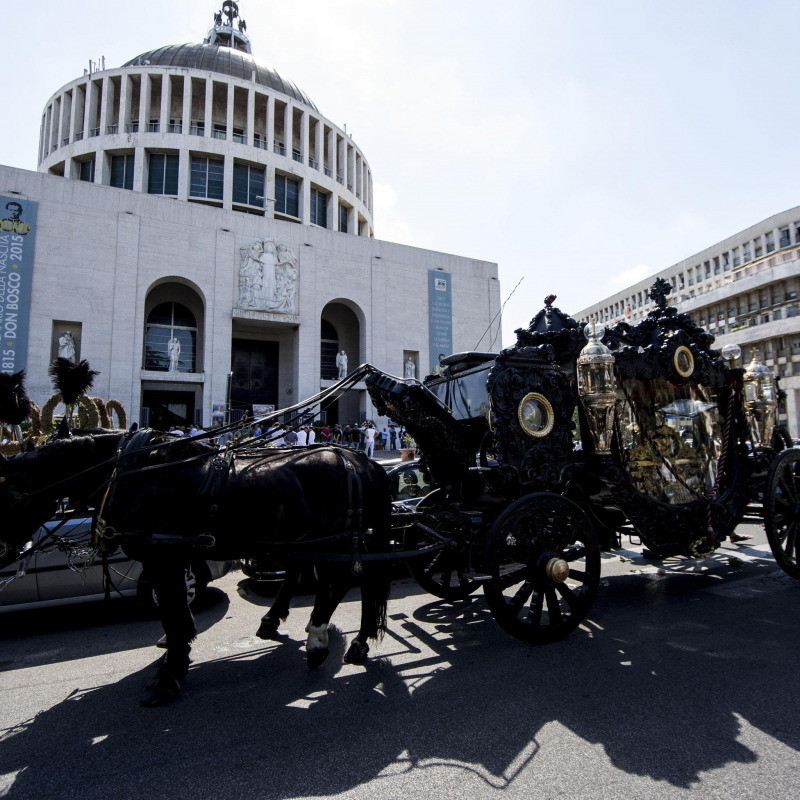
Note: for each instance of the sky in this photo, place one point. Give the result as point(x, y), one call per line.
point(582, 145)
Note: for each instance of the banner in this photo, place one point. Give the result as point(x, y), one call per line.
point(440, 317)
point(17, 236)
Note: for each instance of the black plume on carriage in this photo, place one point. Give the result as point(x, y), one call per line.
point(15, 405)
point(71, 379)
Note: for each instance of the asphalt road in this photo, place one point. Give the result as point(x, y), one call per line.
point(681, 684)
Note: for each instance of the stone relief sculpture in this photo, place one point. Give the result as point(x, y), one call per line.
point(268, 277)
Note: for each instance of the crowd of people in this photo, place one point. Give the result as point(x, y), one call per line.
point(364, 437)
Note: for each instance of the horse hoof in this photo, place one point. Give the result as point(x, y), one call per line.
point(164, 691)
point(268, 629)
point(356, 653)
point(314, 658)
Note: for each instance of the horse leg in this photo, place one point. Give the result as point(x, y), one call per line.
point(167, 575)
point(375, 585)
point(270, 622)
point(330, 593)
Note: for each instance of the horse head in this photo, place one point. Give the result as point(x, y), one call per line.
point(32, 484)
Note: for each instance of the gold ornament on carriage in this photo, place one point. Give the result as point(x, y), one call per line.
point(597, 386)
point(760, 402)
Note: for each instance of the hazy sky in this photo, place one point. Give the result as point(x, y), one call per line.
point(580, 144)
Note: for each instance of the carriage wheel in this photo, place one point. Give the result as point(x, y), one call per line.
point(544, 560)
point(444, 573)
point(782, 510)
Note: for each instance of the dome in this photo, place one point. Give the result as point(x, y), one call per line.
point(223, 60)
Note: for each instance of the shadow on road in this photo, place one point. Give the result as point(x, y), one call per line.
point(663, 695)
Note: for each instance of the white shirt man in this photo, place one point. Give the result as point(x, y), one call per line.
point(301, 437)
point(312, 436)
point(369, 440)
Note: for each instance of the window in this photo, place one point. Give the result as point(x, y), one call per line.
point(716, 265)
point(207, 178)
point(287, 194)
point(726, 261)
point(770, 241)
point(87, 171)
point(343, 224)
point(122, 171)
point(747, 255)
point(248, 185)
point(785, 240)
point(319, 208)
point(707, 269)
point(162, 175)
point(170, 339)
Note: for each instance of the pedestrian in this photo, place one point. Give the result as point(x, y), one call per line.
point(312, 434)
point(393, 438)
point(290, 437)
point(302, 438)
point(385, 439)
point(369, 440)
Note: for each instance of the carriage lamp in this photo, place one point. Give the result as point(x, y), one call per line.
point(760, 401)
point(597, 386)
point(730, 352)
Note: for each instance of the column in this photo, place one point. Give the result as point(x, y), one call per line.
point(139, 170)
point(227, 183)
point(251, 116)
point(270, 124)
point(332, 160)
point(57, 122)
point(288, 133)
point(186, 119)
point(304, 136)
point(207, 117)
point(145, 92)
point(125, 100)
point(73, 113)
point(184, 170)
point(166, 103)
point(90, 108)
point(229, 116)
point(319, 146)
point(105, 106)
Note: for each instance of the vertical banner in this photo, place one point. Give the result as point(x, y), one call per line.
point(440, 317)
point(17, 236)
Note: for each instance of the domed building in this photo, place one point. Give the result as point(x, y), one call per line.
point(206, 238)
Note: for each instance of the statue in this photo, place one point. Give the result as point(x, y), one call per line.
point(341, 363)
point(410, 368)
point(66, 346)
point(268, 277)
point(174, 354)
point(218, 18)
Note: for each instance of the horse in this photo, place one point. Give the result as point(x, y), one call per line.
point(163, 498)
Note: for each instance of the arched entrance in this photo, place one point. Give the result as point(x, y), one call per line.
point(341, 329)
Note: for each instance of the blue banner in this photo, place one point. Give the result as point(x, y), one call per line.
point(17, 236)
point(440, 317)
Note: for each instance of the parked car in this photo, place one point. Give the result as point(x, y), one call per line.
point(70, 572)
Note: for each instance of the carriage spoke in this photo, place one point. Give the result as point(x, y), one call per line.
point(431, 568)
point(553, 606)
point(535, 611)
point(517, 574)
point(577, 575)
point(520, 598)
point(567, 593)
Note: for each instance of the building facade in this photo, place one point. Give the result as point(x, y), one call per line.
point(743, 290)
point(203, 235)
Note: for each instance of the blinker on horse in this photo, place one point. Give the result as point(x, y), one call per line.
point(169, 498)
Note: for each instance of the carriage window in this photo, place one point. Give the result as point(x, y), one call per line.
point(672, 438)
point(171, 339)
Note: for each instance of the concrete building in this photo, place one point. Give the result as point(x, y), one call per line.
point(194, 215)
point(743, 290)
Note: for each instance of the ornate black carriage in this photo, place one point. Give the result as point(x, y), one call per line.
point(551, 451)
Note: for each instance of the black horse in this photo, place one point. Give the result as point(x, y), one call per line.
point(164, 498)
